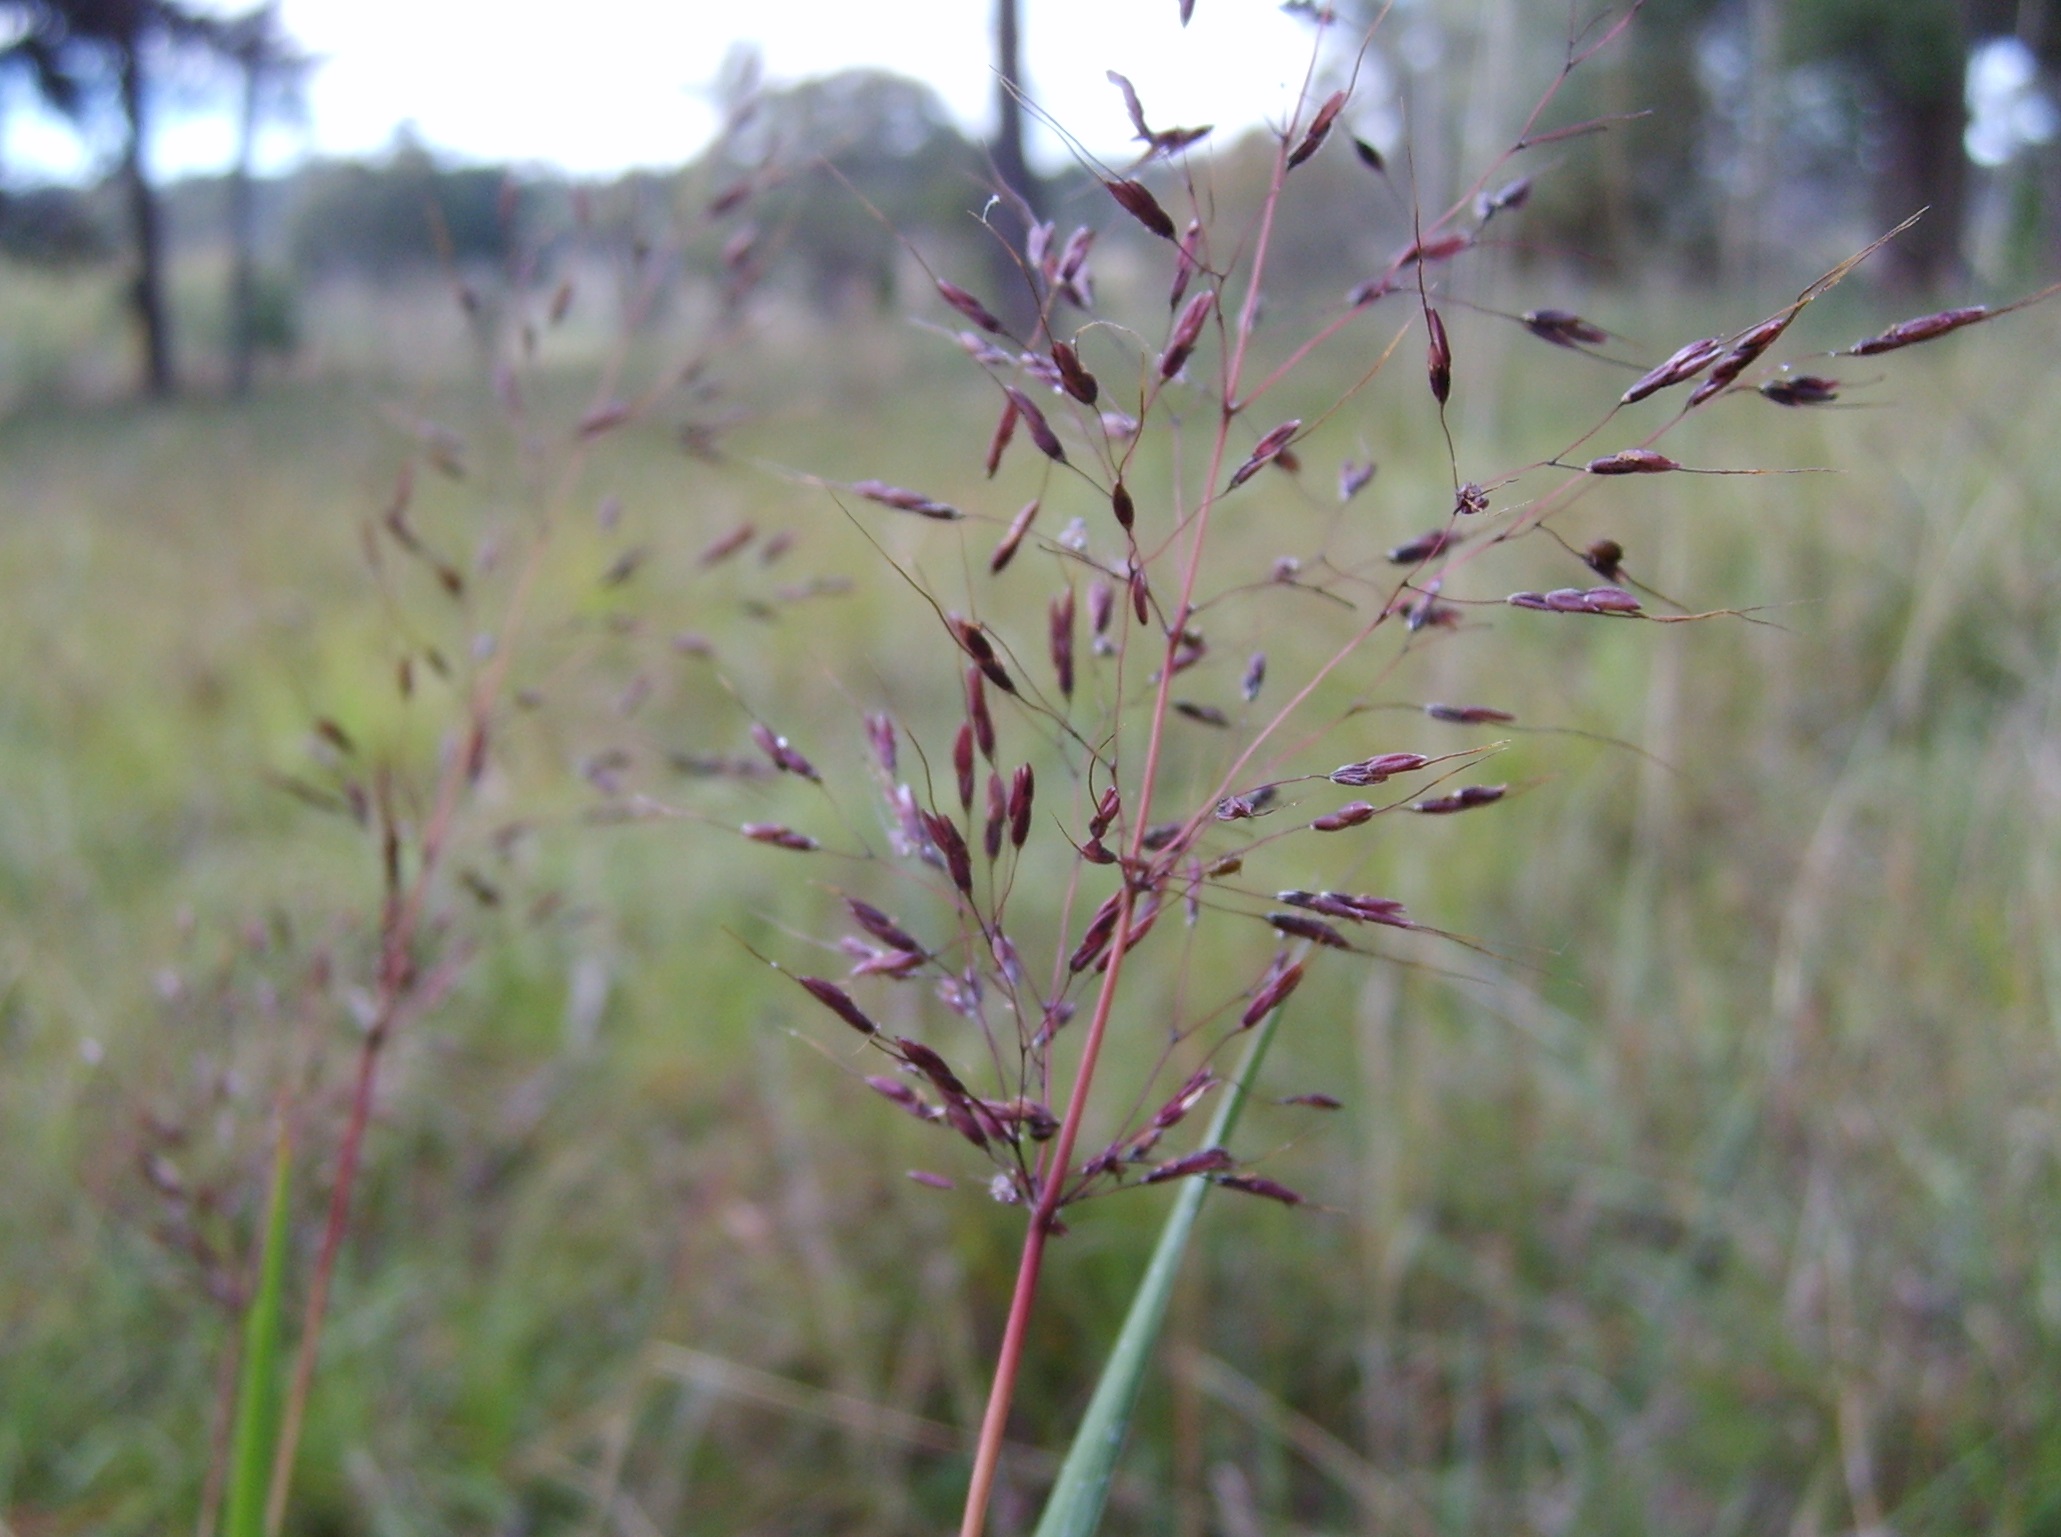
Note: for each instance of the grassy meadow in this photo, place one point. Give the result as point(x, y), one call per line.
point(1710, 1192)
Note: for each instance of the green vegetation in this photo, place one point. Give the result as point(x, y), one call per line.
point(1714, 1199)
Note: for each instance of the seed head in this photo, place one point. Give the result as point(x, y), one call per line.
point(1801, 390)
point(881, 926)
point(1022, 787)
point(1631, 461)
point(1469, 714)
point(945, 838)
point(1208, 1161)
point(1563, 328)
point(977, 714)
point(998, 817)
point(1075, 379)
point(780, 837)
point(1018, 527)
point(904, 500)
point(1319, 129)
point(1035, 424)
point(1438, 357)
point(962, 763)
point(998, 443)
point(1426, 546)
point(970, 307)
point(1463, 799)
point(1061, 625)
point(1684, 363)
point(839, 1002)
point(880, 734)
point(1141, 205)
point(1120, 504)
point(1280, 980)
point(1351, 814)
point(1186, 333)
point(1924, 328)
point(1266, 450)
point(1374, 771)
point(1254, 1184)
point(1299, 926)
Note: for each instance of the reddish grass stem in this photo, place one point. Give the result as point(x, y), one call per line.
point(1052, 1186)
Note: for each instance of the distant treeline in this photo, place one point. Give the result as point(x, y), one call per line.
point(1737, 140)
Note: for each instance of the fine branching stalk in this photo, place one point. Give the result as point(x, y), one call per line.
point(1175, 770)
point(1155, 585)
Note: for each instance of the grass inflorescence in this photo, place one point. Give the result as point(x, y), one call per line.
point(1053, 727)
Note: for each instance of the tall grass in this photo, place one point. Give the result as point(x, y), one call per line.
point(1698, 1198)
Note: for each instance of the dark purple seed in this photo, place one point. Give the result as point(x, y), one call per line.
point(1207, 1161)
point(1022, 786)
point(1801, 390)
point(962, 763)
point(1254, 1184)
point(1685, 363)
point(1319, 129)
point(967, 305)
point(1631, 461)
point(1924, 328)
point(1313, 929)
point(1351, 814)
point(1077, 381)
point(1563, 328)
point(1035, 424)
point(1272, 992)
point(1141, 205)
point(881, 926)
point(839, 1002)
point(1018, 527)
point(1005, 429)
point(1424, 547)
point(1438, 357)
point(1463, 799)
point(1469, 714)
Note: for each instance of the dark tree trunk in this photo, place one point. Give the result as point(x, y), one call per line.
point(1923, 166)
point(1022, 198)
point(148, 294)
point(243, 236)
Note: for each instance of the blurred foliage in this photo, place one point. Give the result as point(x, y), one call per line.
point(55, 228)
point(403, 214)
point(862, 163)
point(1740, 1150)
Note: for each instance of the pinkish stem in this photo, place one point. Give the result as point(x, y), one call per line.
point(1016, 1330)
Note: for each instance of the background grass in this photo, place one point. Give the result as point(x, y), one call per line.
point(1715, 1200)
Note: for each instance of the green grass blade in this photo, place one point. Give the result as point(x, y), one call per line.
point(257, 1386)
point(1074, 1508)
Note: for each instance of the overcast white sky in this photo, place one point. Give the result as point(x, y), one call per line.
point(609, 84)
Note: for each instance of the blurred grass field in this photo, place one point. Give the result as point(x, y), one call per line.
point(1713, 1196)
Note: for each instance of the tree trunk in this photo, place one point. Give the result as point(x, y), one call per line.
point(1923, 166)
point(147, 223)
point(243, 236)
point(1022, 198)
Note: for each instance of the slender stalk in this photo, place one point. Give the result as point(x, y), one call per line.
point(1052, 1186)
point(994, 1421)
point(399, 985)
point(1075, 1504)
